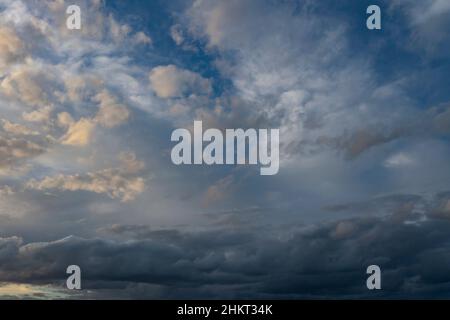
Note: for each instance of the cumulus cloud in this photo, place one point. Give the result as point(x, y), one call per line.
point(30, 85)
point(14, 150)
point(106, 181)
point(45, 83)
point(141, 38)
point(82, 87)
point(172, 82)
point(64, 120)
point(11, 47)
point(42, 115)
point(117, 183)
point(79, 133)
point(16, 128)
point(111, 113)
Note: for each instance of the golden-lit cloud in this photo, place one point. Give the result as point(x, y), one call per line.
point(17, 129)
point(171, 82)
point(9, 290)
point(121, 182)
point(111, 113)
point(41, 115)
point(11, 47)
point(31, 85)
point(79, 133)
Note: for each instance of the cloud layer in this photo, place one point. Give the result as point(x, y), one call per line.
point(86, 176)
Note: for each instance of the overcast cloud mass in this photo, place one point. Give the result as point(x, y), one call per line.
point(86, 176)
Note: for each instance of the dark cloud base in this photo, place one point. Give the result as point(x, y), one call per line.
point(410, 244)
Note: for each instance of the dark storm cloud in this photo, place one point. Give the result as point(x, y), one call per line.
point(326, 260)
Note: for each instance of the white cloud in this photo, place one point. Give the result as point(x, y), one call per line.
point(399, 160)
point(177, 34)
point(141, 38)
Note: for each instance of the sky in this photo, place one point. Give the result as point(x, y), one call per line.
point(86, 176)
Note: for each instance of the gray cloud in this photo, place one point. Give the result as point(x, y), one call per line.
point(17, 150)
point(325, 260)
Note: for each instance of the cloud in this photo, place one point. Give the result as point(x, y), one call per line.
point(64, 120)
point(111, 113)
point(311, 73)
point(25, 291)
point(442, 208)
point(17, 129)
point(12, 48)
point(109, 182)
point(172, 82)
point(353, 142)
point(176, 34)
point(343, 229)
point(15, 150)
point(42, 115)
point(399, 160)
point(30, 85)
point(326, 260)
point(357, 142)
point(6, 191)
point(427, 22)
point(117, 183)
point(218, 191)
point(79, 133)
point(284, 83)
point(99, 27)
point(45, 82)
point(82, 87)
point(141, 38)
